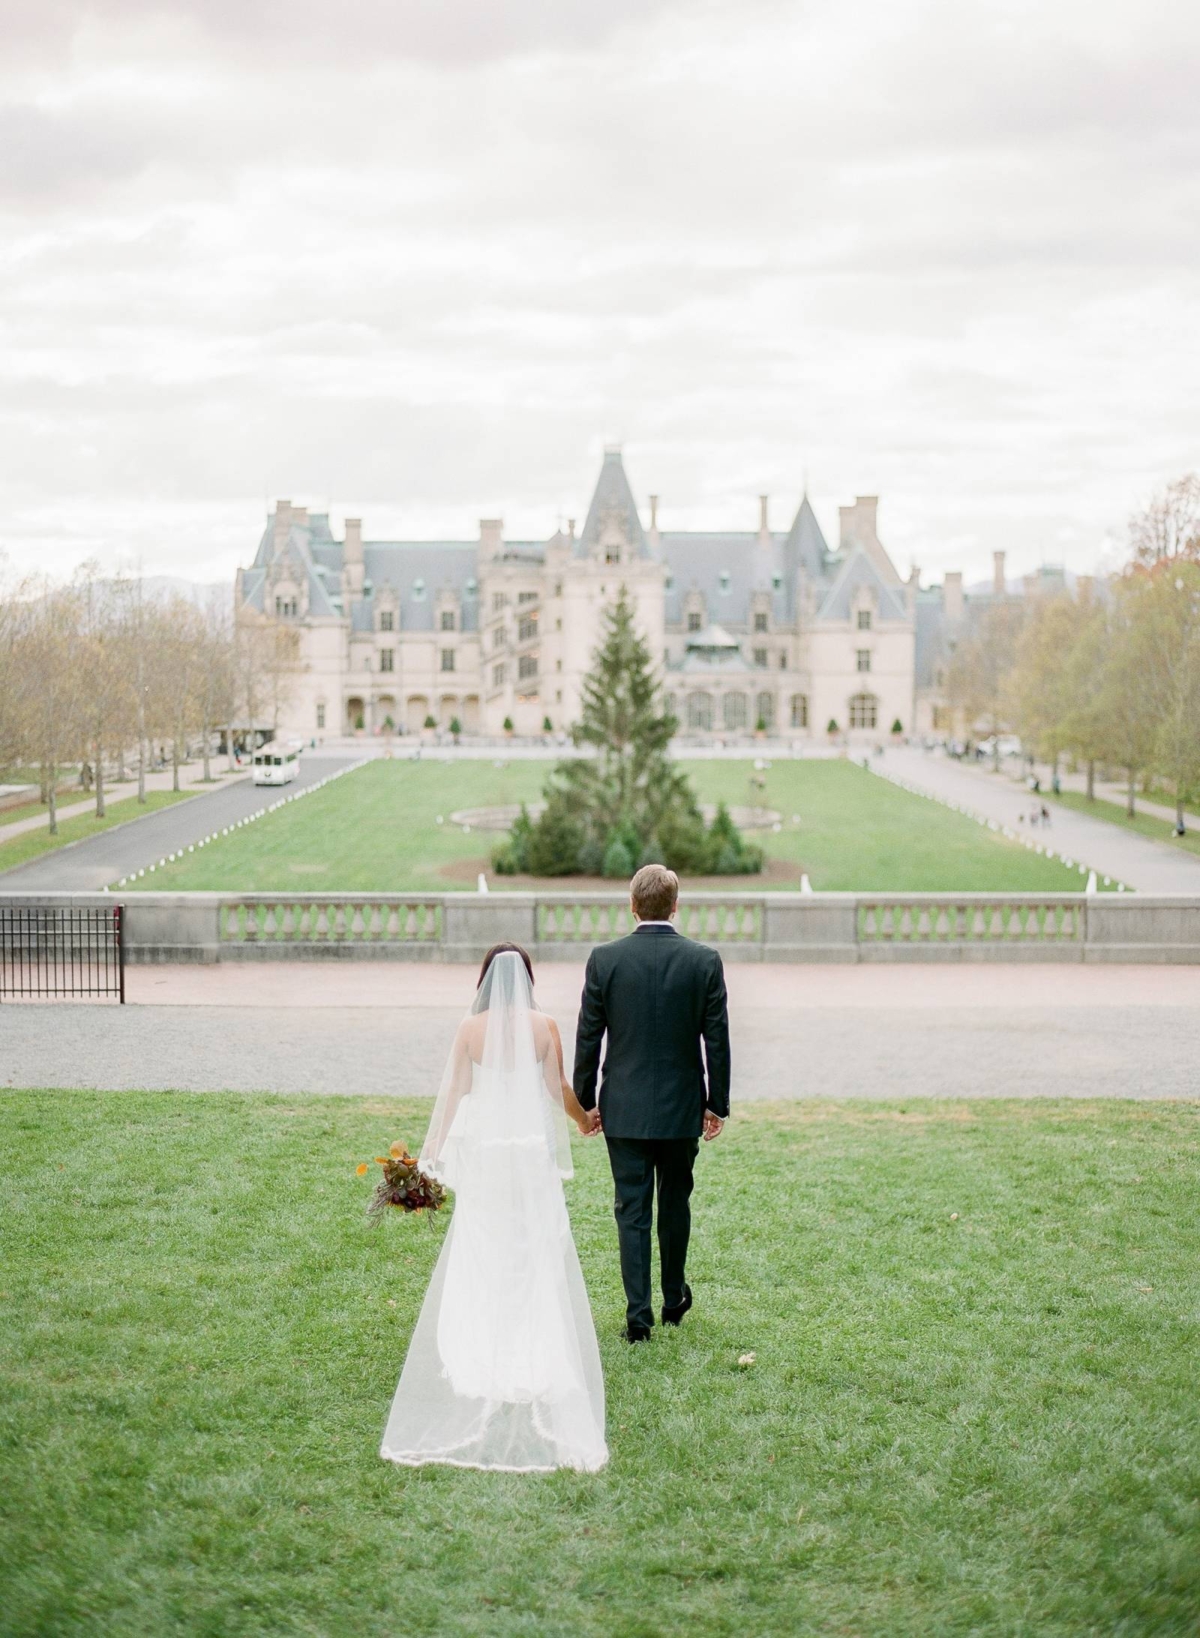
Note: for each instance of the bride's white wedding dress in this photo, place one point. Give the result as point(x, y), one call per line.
point(503, 1370)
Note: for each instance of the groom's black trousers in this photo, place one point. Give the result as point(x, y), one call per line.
point(637, 1165)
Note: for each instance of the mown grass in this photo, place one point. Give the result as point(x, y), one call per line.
point(377, 831)
point(972, 1409)
point(31, 844)
point(1144, 824)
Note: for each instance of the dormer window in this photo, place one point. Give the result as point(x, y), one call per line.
point(760, 622)
point(612, 554)
point(448, 620)
point(864, 619)
point(418, 590)
point(694, 619)
point(387, 620)
point(472, 586)
point(724, 580)
point(777, 582)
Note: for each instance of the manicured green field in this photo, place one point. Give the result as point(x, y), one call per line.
point(31, 844)
point(1144, 824)
point(377, 830)
point(972, 1411)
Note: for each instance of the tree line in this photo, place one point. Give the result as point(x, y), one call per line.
point(1109, 677)
point(101, 676)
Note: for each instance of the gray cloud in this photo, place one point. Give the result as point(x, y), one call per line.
point(423, 261)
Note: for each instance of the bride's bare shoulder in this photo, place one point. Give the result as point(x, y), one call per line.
point(544, 1027)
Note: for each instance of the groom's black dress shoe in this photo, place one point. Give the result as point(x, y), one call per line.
point(636, 1333)
point(674, 1316)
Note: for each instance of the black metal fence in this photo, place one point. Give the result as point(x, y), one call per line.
point(62, 951)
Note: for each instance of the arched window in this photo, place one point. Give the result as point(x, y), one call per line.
point(764, 710)
point(735, 711)
point(799, 710)
point(699, 711)
point(864, 711)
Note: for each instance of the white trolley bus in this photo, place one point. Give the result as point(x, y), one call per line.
point(276, 765)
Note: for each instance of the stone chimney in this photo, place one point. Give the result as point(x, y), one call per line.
point(764, 527)
point(353, 569)
point(654, 512)
point(300, 515)
point(952, 595)
point(283, 522)
point(571, 528)
point(491, 537)
point(999, 581)
point(857, 523)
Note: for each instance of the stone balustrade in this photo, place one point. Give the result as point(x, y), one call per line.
point(786, 927)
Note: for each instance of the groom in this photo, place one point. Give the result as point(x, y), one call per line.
point(657, 995)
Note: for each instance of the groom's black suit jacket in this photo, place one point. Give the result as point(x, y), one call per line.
point(658, 995)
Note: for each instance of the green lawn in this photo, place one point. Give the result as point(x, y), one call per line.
point(973, 1409)
point(1145, 824)
point(31, 844)
point(376, 831)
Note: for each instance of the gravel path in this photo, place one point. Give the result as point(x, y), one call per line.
point(797, 1032)
point(84, 867)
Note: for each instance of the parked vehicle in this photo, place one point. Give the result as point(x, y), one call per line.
point(276, 765)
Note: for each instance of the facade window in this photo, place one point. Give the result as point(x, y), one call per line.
point(527, 628)
point(864, 619)
point(558, 696)
point(724, 580)
point(418, 590)
point(760, 656)
point(694, 619)
point(387, 659)
point(320, 716)
point(527, 666)
point(527, 597)
point(447, 619)
point(760, 622)
point(783, 659)
point(498, 637)
point(799, 710)
point(286, 608)
point(387, 620)
point(764, 711)
point(499, 599)
point(558, 665)
point(864, 709)
point(862, 659)
point(941, 719)
point(735, 710)
point(447, 659)
point(699, 711)
point(497, 675)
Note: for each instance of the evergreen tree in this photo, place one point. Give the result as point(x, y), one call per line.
point(626, 803)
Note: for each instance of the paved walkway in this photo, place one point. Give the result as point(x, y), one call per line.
point(1147, 866)
point(101, 860)
point(383, 1029)
point(190, 777)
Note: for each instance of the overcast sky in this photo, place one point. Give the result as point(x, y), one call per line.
point(419, 260)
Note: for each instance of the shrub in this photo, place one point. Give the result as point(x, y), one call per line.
point(359, 722)
point(508, 725)
point(547, 726)
point(554, 843)
point(511, 857)
point(760, 727)
point(831, 727)
point(431, 722)
point(618, 862)
point(455, 727)
point(897, 726)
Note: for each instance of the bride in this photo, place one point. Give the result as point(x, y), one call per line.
point(503, 1369)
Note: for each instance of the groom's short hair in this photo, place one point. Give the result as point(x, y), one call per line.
point(655, 892)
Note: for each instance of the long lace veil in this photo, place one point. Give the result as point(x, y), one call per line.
point(503, 1369)
point(510, 1068)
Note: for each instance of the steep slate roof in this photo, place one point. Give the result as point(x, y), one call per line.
point(857, 571)
point(805, 549)
point(697, 562)
point(416, 570)
point(612, 494)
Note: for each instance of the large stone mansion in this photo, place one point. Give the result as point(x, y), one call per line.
point(755, 629)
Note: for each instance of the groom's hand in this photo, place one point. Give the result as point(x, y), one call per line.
point(713, 1126)
point(592, 1120)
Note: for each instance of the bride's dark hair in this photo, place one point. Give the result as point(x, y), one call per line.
point(502, 949)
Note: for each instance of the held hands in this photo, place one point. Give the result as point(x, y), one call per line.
point(589, 1123)
point(713, 1126)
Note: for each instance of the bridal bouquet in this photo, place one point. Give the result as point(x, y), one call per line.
point(403, 1184)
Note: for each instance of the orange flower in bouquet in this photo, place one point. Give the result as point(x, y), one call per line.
point(403, 1184)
